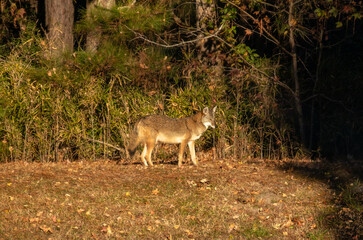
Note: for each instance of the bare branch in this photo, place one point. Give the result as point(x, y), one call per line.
point(273, 80)
point(132, 4)
point(338, 102)
point(269, 36)
point(183, 43)
point(104, 143)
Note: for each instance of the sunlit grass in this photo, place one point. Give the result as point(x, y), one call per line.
point(104, 200)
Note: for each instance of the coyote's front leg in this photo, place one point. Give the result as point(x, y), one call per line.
point(181, 153)
point(191, 146)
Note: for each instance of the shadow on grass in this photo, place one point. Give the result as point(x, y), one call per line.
point(345, 179)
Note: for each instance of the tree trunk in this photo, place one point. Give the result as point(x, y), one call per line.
point(313, 102)
point(294, 69)
point(94, 36)
point(59, 18)
point(206, 17)
point(208, 55)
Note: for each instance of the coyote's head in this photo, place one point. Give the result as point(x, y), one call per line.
point(208, 118)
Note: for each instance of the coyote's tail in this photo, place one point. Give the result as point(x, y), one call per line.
point(134, 141)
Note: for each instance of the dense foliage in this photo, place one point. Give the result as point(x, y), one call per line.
point(61, 108)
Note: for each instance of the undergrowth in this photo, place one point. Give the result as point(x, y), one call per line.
point(55, 109)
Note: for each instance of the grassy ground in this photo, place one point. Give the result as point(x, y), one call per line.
point(217, 200)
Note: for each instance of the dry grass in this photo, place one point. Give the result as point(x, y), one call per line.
point(102, 200)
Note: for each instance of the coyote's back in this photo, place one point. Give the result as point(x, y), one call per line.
point(159, 128)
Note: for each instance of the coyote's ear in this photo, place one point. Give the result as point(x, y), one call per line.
point(214, 109)
point(205, 110)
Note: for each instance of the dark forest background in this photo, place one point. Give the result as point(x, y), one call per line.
point(286, 75)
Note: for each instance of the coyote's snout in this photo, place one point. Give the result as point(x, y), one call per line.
point(158, 128)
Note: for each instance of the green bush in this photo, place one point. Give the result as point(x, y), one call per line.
point(52, 110)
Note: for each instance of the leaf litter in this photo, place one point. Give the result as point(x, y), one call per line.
point(218, 199)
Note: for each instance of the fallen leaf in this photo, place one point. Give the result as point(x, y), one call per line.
point(80, 210)
point(276, 225)
point(232, 227)
point(188, 232)
point(204, 180)
point(34, 220)
point(94, 236)
point(289, 223)
point(109, 230)
point(155, 191)
point(143, 66)
point(191, 183)
point(298, 221)
point(46, 229)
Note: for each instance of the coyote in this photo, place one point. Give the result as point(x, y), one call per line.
point(158, 128)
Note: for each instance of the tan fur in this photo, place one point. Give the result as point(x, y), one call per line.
point(152, 129)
